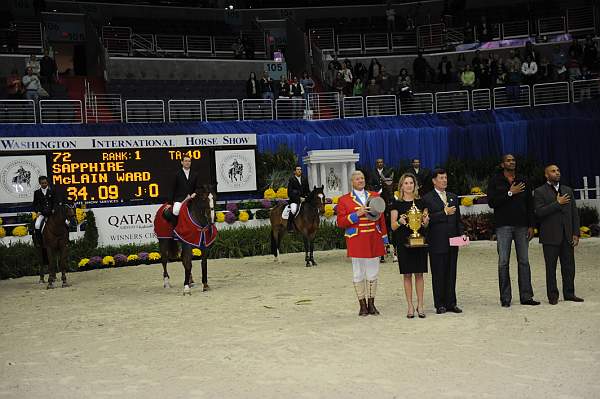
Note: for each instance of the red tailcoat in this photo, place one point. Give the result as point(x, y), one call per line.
point(364, 238)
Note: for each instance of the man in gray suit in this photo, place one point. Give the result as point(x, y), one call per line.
point(559, 233)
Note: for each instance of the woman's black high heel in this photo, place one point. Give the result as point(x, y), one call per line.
point(421, 314)
point(411, 315)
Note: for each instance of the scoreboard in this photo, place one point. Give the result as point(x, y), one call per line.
point(114, 170)
point(136, 175)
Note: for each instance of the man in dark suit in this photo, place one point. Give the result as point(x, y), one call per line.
point(379, 174)
point(43, 203)
point(422, 176)
point(559, 233)
point(184, 186)
point(298, 190)
point(444, 222)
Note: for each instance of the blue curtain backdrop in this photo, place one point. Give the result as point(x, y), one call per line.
point(567, 135)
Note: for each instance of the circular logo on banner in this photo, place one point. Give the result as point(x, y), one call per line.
point(236, 169)
point(19, 178)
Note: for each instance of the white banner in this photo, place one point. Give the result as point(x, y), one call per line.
point(236, 170)
point(19, 177)
point(108, 142)
point(126, 224)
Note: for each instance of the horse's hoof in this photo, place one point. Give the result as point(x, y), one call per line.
point(50, 286)
point(187, 290)
point(308, 264)
point(65, 284)
point(166, 283)
point(313, 262)
point(192, 284)
point(41, 281)
point(275, 259)
point(205, 287)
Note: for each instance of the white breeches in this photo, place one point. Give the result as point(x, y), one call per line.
point(38, 221)
point(294, 208)
point(365, 268)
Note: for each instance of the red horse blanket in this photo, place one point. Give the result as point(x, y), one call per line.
point(162, 228)
point(187, 230)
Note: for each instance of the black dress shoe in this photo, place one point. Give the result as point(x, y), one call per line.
point(553, 301)
point(531, 302)
point(455, 309)
point(440, 310)
point(506, 304)
point(574, 299)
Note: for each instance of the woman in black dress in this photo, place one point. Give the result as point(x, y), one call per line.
point(411, 260)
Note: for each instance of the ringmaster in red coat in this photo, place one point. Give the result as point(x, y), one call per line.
point(365, 241)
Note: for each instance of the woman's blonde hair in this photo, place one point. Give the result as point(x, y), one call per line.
point(401, 181)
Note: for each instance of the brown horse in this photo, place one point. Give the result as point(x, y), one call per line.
point(306, 222)
point(56, 241)
point(202, 212)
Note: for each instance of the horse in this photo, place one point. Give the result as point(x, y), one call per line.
point(387, 193)
point(306, 222)
point(201, 209)
point(56, 241)
point(235, 170)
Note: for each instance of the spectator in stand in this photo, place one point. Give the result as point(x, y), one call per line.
point(360, 71)
point(530, 50)
point(461, 63)
point(484, 32)
point(14, 86)
point(348, 64)
point(476, 64)
point(358, 88)
point(339, 84)
point(47, 70)
point(529, 70)
point(585, 92)
point(445, 71)
point(374, 69)
point(513, 83)
point(253, 87)
point(31, 84)
point(575, 48)
point(334, 64)
point(385, 82)
point(469, 34)
point(513, 61)
point(238, 49)
point(559, 61)
point(12, 38)
point(403, 85)
point(573, 68)
point(495, 68)
point(543, 75)
point(485, 75)
point(390, 15)
point(248, 46)
point(590, 53)
point(467, 78)
point(373, 89)
point(347, 76)
point(420, 71)
point(283, 87)
point(307, 83)
point(296, 89)
point(332, 70)
point(266, 87)
point(34, 64)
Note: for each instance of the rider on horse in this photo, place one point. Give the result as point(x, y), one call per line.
point(43, 203)
point(298, 190)
point(184, 185)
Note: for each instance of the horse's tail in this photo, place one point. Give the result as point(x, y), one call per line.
point(274, 244)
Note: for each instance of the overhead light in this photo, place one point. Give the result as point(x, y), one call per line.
point(231, 6)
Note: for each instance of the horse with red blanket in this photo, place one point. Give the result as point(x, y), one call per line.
point(195, 228)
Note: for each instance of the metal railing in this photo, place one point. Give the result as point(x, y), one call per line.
point(581, 20)
point(418, 103)
point(117, 39)
point(290, 108)
point(481, 99)
point(515, 29)
point(512, 97)
point(452, 101)
point(198, 44)
point(171, 44)
point(222, 110)
point(550, 93)
point(324, 38)
point(353, 107)
point(30, 35)
point(381, 105)
point(404, 41)
point(103, 108)
point(60, 111)
point(143, 43)
point(17, 111)
point(552, 25)
point(257, 109)
point(185, 110)
point(376, 42)
point(144, 111)
point(324, 105)
point(585, 89)
point(349, 43)
point(431, 36)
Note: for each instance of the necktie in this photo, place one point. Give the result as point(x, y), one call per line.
point(444, 198)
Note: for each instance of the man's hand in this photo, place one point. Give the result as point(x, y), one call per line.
point(425, 219)
point(517, 188)
point(529, 233)
point(563, 199)
point(449, 210)
point(302, 199)
point(575, 240)
point(362, 210)
point(193, 195)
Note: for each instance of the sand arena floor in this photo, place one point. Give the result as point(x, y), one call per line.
point(269, 330)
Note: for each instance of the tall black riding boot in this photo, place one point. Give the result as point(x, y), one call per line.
point(290, 223)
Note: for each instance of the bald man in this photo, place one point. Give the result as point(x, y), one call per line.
point(555, 208)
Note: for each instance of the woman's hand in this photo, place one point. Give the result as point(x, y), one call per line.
point(425, 219)
point(403, 220)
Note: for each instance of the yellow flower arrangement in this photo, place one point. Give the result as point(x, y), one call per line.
point(220, 216)
point(108, 261)
point(270, 194)
point(335, 199)
point(0, 221)
point(476, 190)
point(79, 215)
point(329, 212)
point(20, 231)
point(2, 232)
point(83, 262)
point(584, 232)
point(282, 193)
point(196, 252)
point(466, 201)
point(132, 258)
point(243, 216)
point(154, 256)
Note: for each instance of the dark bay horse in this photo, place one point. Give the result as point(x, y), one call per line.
point(306, 222)
point(202, 213)
point(56, 240)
